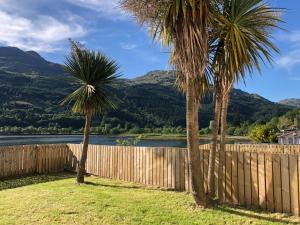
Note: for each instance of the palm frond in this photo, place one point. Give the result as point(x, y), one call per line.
point(243, 29)
point(94, 72)
point(181, 25)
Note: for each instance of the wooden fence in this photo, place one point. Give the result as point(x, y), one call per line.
point(30, 159)
point(163, 167)
point(261, 176)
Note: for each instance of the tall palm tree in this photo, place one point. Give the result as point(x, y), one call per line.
point(93, 72)
point(243, 29)
point(182, 25)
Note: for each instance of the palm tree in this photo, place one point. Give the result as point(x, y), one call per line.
point(93, 72)
point(183, 26)
point(243, 30)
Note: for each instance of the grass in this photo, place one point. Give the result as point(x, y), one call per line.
point(56, 199)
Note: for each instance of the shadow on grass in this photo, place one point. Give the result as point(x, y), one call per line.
point(253, 214)
point(238, 211)
point(16, 182)
point(130, 187)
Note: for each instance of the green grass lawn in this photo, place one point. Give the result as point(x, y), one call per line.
point(56, 199)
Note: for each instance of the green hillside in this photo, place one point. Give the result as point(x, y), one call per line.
point(32, 89)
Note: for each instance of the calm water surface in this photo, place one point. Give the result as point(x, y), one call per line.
point(76, 139)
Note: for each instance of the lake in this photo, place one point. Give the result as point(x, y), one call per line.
point(94, 139)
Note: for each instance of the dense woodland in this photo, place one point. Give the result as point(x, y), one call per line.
point(33, 88)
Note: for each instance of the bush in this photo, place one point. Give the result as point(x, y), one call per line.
point(264, 134)
point(205, 131)
point(135, 130)
point(230, 130)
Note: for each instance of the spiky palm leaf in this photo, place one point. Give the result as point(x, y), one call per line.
point(242, 29)
point(93, 72)
point(180, 24)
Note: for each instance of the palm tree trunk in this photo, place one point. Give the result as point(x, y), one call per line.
point(225, 102)
point(194, 160)
point(81, 165)
point(214, 142)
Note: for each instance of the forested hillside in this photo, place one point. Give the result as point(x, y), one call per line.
point(32, 88)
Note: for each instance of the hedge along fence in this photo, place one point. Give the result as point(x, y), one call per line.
point(262, 176)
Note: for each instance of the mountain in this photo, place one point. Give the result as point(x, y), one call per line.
point(15, 60)
point(32, 88)
point(294, 102)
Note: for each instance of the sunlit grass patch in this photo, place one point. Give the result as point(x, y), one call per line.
point(58, 200)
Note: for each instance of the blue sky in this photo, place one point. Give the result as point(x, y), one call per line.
point(45, 26)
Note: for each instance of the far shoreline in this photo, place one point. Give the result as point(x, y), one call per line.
point(143, 136)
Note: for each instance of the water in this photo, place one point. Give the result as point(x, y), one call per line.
point(76, 139)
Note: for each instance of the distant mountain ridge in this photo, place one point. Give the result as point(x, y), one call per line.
point(15, 60)
point(32, 89)
point(294, 102)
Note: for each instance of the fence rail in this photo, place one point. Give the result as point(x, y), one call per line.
point(262, 176)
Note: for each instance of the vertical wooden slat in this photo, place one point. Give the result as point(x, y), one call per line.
point(235, 187)
point(228, 181)
point(146, 155)
point(241, 178)
point(173, 168)
point(2, 163)
point(135, 165)
point(254, 180)
point(130, 164)
point(247, 161)
point(286, 199)
point(182, 169)
point(294, 184)
point(186, 170)
point(269, 182)
point(277, 183)
point(170, 171)
point(138, 162)
point(144, 165)
point(151, 166)
point(216, 175)
point(262, 181)
point(205, 167)
point(165, 157)
point(141, 160)
point(177, 170)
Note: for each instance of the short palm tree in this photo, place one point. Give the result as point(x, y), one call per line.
point(242, 30)
point(183, 26)
point(93, 72)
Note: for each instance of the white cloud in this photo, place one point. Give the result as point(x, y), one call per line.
point(290, 36)
point(43, 33)
point(290, 60)
point(108, 9)
point(128, 46)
